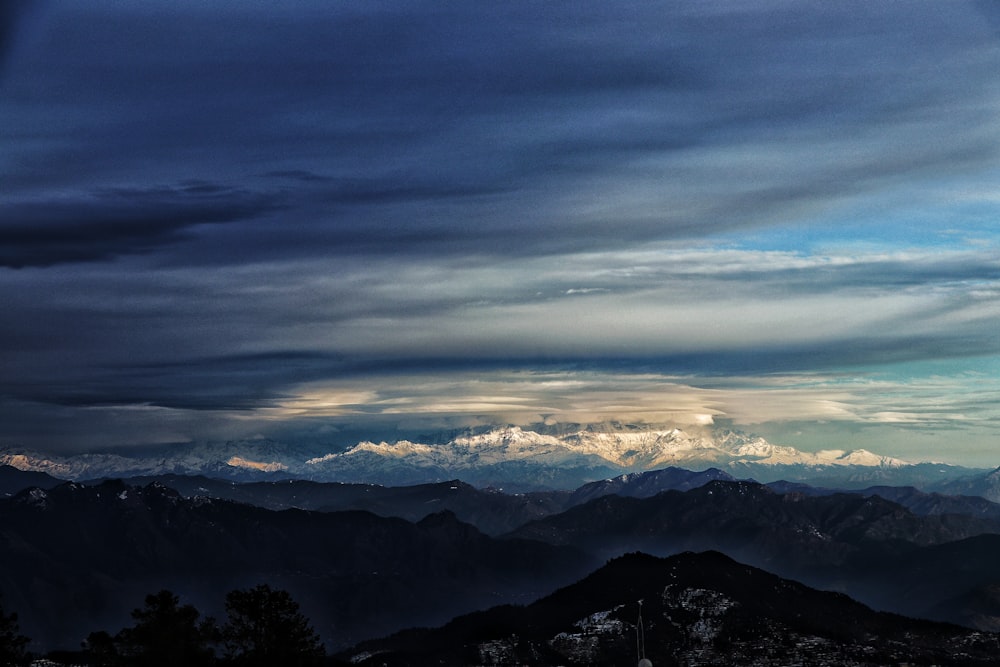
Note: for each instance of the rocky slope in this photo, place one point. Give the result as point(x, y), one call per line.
point(689, 609)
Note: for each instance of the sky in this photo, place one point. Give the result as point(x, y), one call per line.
point(309, 220)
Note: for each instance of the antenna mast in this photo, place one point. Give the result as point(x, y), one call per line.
point(640, 641)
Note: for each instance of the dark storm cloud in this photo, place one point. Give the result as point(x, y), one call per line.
point(12, 13)
point(347, 192)
point(553, 111)
point(117, 221)
point(217, 203)
point(300, 175)
point(228, 382)
point(558, 118)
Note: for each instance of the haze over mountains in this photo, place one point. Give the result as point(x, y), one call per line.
point(92, 552)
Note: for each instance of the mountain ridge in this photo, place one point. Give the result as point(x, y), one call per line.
point(508, 457)
point(92, 553)
point(357, 573)
point(690, 608)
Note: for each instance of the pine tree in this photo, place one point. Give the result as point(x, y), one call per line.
point(12, 642)
point(167, 634)
point(265, 628)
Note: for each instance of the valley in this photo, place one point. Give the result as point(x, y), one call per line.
point(368, 561)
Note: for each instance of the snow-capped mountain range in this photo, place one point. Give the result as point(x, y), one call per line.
point(510, 455)
point(631, 450)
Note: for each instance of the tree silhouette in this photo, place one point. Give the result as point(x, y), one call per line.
point(265, 628)
point(101, 650)
point(12, 642)
point(165, 635)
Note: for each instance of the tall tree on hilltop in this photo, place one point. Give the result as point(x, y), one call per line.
point(265, 628)
point(12, 642)
point(167, 634)
point(101, 650)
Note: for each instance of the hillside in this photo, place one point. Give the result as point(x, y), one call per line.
point(92, 554)
point(696, 608)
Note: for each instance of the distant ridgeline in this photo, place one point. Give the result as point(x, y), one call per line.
point(507, 457)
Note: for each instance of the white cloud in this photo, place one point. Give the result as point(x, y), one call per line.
point(582, 397)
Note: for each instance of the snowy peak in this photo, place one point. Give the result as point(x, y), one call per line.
point(468, 451)
point(509, 456)
point(625, 450)
point(646, 449)
point(862, 457)
point(240, 462)
point(767, 454)
point(511, 438)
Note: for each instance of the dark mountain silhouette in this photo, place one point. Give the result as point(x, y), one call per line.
point(491, 511)
point(933, 503)
point(985, 484)
point(13, 480)
point(749, 516)
point(77, 558)
point(646, 484)
point(697, 608)
point(496, 512)
point(978, 607)
point(955, 581)
point(92, 552)
point(862, 545)
point(919, 502)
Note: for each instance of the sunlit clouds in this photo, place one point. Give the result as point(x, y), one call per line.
point(580, 397)
point(306, 220)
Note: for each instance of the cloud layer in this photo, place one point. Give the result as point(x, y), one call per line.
point(233, 217)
